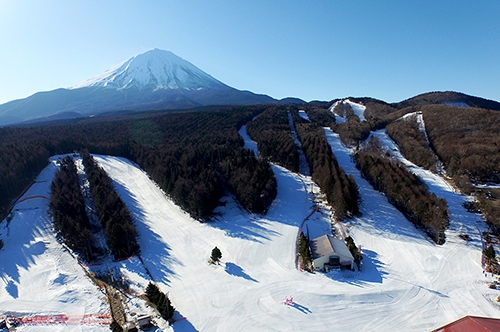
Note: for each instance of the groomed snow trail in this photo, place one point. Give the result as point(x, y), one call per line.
point(407, 282)
point(440, 283)
point(38, 277)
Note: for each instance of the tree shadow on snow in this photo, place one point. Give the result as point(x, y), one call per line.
point(372, 271)
point(237, 271)
point(25, 228)
point(245, 229)
point(11, 288)
point(156, 258)
point(240, 224)
point(181, 323)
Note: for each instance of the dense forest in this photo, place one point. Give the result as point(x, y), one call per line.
point(116, 220)
point(412, 142)
point(195, 157)
point(340, 189)
point(67, 208)
point(271, 131)
point(403, 189)
point(467, 140)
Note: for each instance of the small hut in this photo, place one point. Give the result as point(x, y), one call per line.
point(330, 253)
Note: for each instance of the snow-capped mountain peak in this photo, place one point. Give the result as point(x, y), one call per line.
point(156, 69)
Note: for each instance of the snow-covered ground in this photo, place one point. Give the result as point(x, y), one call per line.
point(38, 277)
point(303, 115)
point(358, 109)
point(407, 283)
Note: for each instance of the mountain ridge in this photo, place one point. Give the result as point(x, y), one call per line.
point(154, 80)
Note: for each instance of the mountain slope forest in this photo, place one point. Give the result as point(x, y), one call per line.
point(197, 157)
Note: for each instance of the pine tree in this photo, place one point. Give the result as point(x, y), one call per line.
point(216, 255)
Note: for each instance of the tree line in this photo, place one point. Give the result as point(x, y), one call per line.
point(340, 189)
point(160, 300)
point(116, 220)
point(195, 157)
point(412, 143)
point(403, 189)
point(271, 131)
point(67, 208)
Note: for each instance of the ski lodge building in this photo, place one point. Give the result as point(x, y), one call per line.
point(329, 253)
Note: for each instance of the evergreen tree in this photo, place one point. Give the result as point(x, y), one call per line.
point(489, 253)
point(216, 255)
point(160, 300)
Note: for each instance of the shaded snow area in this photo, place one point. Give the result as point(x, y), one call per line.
point(39, 279)
point(456, 103)
point(407, 283)
point(303, 165)
point(303, 115)
point(249, 144)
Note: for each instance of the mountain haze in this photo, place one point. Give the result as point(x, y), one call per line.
point(153, 80)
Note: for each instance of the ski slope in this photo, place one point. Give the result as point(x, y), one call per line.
point(39, 280)
point(407, 283)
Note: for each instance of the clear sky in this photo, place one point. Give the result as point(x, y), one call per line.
point(314, 50)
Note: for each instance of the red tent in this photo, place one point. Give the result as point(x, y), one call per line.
point(471, 324)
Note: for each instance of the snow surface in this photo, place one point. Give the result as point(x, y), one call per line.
point(358, 109)
point(457, 103)
point(38, 276)
point(155, 69)
point(303, 115)
point(407, 283)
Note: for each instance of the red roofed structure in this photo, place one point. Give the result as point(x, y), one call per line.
point(471, 324)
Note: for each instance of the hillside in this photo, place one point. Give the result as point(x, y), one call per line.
point(192, 182)
point(449, 98)
point(406, 282)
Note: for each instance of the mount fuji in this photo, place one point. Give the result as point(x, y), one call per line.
point(155, 80)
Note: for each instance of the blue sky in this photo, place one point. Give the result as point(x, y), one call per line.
point(314, 50)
